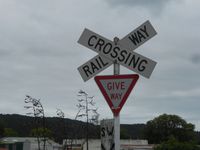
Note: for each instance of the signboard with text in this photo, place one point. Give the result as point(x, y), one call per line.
point(107, 134)
point(121, 53)
point(116, 89)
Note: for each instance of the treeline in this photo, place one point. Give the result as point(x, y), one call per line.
point(22, 126)
point(63, 128)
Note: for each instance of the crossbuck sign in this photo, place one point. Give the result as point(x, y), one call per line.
point(122, 52)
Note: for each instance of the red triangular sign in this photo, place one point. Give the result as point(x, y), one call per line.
point(116, 89)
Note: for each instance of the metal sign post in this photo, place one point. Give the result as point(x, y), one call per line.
point(117, 132)
point(117, 88)
point(116, 71)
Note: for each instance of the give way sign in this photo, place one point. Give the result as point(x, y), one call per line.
point(116, 89)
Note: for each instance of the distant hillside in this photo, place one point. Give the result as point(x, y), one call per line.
point(74, 129)
point(24, 124)
point(133, 131)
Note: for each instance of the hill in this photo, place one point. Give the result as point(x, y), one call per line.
point(72, 128)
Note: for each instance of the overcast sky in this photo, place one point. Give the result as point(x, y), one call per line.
point(39, 55)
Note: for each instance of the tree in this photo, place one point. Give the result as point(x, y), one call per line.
point(165, 126)
point(173, 144)
point(87, 110)
point(9, 132)
point(62, 134)
point(123, 133)
point(38, 113)
point(40, 132)
point(1, 130)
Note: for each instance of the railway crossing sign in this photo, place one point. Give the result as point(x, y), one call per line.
point(116, 89)
point(121, 53)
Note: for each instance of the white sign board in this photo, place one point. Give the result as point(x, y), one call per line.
point(138, 36)
point(116, 53)
point(107, 134)
point(93, 67)
point(131, 41)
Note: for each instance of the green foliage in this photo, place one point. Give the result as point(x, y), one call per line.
point(197, 134)
point(132, 131)
point(40, 132)
point(24, 124)
point(165, 126)
point(173, 144)
point(123, 133)
point(74, 129)
point(1, 129)
point(9, 132)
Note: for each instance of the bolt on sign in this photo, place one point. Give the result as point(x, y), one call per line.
point(116, 89)
point(121, 53)
point(107, 134)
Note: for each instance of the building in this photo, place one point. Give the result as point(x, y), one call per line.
point(26, 143)
point(95, 144)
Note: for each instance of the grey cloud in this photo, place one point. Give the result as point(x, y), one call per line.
point(4, 53)
point(154, 6)
point(146, 3)
point(195, 59)
point(40, 54)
